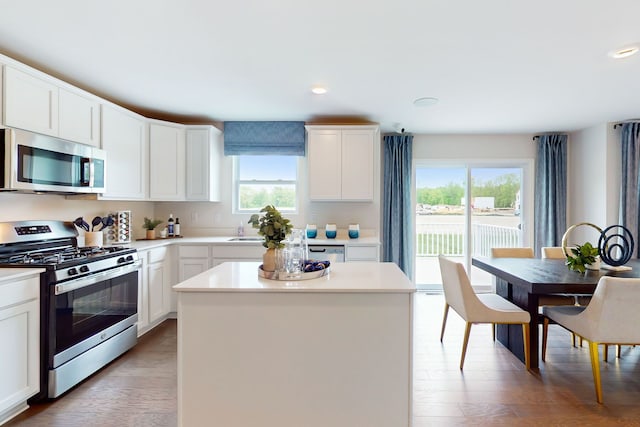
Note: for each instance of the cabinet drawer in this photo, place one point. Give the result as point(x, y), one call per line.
point(244, 251)
point(193, 251)
point(362, 253)
point(157, 255)
point(14, 292)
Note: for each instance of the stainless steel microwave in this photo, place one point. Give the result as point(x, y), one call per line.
point(36, 163)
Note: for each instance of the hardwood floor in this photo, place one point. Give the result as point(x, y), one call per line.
point(139, 389)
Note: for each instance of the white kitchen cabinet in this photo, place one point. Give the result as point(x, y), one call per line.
point(30, 102)
point(204, 146)
point(362, 253)
point(340, 162)
point(79, 118)
point(192, 260)
point(124, 140)
point(20, 337)
point(166, 161)
point(154, 295)
point(232, 253)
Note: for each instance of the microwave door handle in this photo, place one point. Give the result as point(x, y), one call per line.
point(87, 166)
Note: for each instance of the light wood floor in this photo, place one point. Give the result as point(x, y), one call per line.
point(139, 389)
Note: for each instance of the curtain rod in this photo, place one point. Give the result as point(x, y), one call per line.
point(615, 125)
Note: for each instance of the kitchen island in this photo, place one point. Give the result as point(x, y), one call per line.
point(332, 351)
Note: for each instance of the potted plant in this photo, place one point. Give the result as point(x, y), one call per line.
point(583, 257)
point(150, 225)
point(274, 228)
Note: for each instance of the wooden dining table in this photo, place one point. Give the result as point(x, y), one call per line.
point(523, 280)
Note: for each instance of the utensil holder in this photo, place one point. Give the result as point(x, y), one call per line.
point(93, 238)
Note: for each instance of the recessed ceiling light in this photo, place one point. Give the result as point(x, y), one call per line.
point(319, 90)
point(624, 52)
point(425, 102)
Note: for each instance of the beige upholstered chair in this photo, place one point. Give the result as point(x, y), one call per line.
point(611, 317)
point(554, 252)
point(481, 308)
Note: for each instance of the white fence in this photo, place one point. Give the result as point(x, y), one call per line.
point(448, 239)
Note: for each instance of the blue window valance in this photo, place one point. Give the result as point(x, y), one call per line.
point(264, 138)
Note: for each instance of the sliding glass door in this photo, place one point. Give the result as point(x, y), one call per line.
point(446, 223)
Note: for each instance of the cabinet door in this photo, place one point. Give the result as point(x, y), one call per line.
point(158, 305)
point(30, 103)
point(124, 139)
point(19, 370)
point(203, 164)
point(79, 118)
point(324, 164)
point(166, 162)
point(189, 267)
point(357, 164)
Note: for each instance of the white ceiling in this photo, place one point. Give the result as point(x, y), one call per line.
point(497, 66)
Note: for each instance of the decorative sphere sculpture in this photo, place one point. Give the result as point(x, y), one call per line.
point(616, 248)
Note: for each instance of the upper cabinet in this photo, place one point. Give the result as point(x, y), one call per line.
point(30, 103)
point(166, 161)
point(40, 105)
point(204, 153)
point(124, 138)
point(341, 162)
point(79, 118)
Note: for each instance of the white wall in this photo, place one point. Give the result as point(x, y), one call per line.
point(594, 180)
point(18, 207)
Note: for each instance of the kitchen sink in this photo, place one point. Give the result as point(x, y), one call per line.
point(246, 239)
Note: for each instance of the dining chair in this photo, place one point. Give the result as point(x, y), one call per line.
point(610, 318)
point(477, 308)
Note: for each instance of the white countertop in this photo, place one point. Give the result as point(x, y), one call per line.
point(343, 277)
point(17, 273)
point(227, 240)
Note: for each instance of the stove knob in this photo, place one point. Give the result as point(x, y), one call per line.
point(72, 272)
point(130, 258)
point(121, 260)
point(84, 269)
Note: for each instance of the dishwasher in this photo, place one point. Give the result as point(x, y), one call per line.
point(332, 253)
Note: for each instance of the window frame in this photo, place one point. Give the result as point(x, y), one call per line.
point(237, 182)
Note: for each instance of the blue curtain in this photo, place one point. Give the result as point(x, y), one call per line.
point(264, 138)
point(550, 211)
point(629, 191)
point(397, 219)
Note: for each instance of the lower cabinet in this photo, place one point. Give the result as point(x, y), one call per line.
point(362, 253)
point(192, 260)
point(19, 335)
point(154, 292)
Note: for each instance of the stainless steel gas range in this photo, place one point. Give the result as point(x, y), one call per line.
point(88, 299)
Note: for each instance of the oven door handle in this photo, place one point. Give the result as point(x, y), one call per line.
point(92, 279)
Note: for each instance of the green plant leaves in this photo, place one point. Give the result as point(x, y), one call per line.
point(582, 255)
point(272, 226)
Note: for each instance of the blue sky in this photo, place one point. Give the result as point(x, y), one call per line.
point(439, 177)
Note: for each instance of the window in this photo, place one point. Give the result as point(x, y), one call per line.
point(265, 180)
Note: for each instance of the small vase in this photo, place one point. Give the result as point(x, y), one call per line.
point(269, 260)
point(151, 234)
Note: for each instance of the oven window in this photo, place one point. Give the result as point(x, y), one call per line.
point(84, 312)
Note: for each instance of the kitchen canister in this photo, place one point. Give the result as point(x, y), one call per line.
point(330, 231)
point(312, 231)
point(93, 238)
point(354, 231)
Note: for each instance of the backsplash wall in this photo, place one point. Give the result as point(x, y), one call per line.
point(19, 207)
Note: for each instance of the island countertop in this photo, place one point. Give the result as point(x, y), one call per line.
point(344, 277)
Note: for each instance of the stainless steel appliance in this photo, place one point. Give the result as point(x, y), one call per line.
point(30, 162)
point(333, 253)
point(88, 298)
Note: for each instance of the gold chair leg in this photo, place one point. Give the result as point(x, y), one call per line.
point(525, 339)
point(545, 329)
point(595, 367)
point(605, 357)
point(467, 331)
point(444, 320)
point(573, 339)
